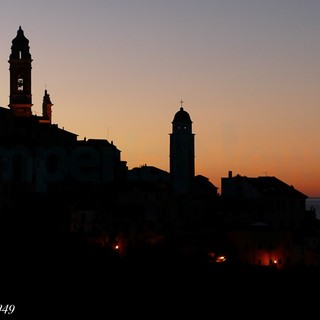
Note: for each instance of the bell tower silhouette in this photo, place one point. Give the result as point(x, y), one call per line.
point(182, 167)
point(20, 76)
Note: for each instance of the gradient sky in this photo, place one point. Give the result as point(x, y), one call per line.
point(248, 72)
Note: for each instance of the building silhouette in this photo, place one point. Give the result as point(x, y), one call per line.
point(267, 223)
point(182, 152)
point(46, 173)
point(74, 197)
point(20, 76)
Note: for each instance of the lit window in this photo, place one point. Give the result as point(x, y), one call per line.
point(20, 83)
point(221, 259)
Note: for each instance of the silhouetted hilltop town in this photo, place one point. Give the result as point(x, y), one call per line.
point(70, 200)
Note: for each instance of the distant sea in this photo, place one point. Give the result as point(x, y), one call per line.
point(315, 203)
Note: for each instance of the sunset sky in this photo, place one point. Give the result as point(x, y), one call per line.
point(248, 72)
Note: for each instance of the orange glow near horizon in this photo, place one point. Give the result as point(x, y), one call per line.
point(248, 73)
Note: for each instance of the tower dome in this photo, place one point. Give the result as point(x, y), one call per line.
point(20, 46)
point(182, 116)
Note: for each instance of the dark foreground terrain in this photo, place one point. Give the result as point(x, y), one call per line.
point(85, 284)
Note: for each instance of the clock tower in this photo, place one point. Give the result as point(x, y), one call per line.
point(20, 76)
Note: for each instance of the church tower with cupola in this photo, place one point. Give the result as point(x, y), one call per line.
point(20, 76)
point(182, 154)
